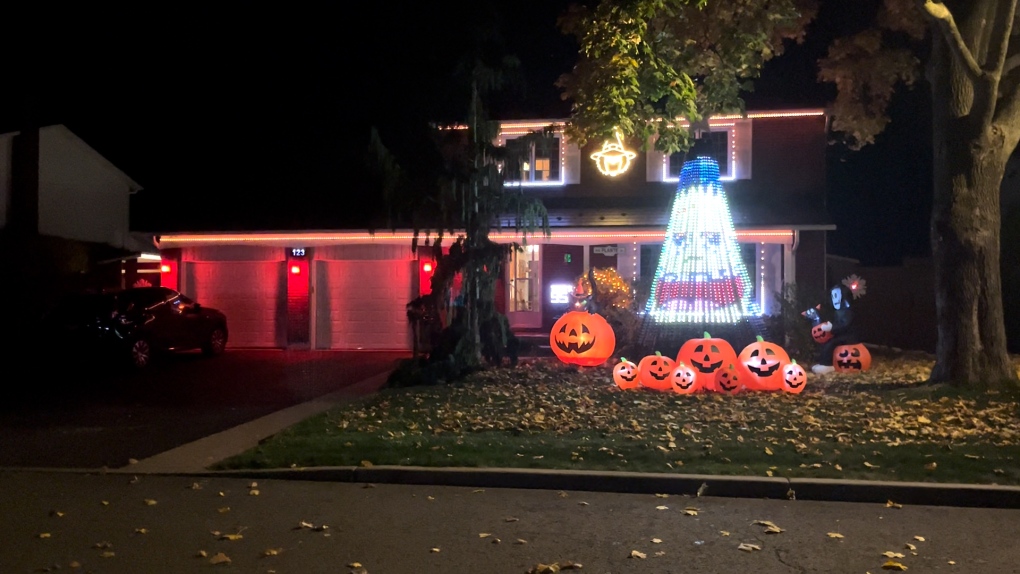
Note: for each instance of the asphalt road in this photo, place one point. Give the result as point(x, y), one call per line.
point(71, 416)
point(404, 529)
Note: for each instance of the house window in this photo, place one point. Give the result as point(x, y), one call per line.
point(714, 144)
point(535, 161)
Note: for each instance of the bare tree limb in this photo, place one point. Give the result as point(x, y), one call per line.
point(1011, 63)
point(944, 18)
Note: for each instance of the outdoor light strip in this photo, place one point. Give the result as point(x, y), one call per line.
point(185, 239)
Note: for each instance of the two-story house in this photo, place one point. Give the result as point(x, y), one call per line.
point(347, 289)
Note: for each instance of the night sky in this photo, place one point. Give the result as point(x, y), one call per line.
point(248, 117)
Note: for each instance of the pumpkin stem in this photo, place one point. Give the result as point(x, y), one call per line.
point(623, 359)
point(707, 336)
point(760, 338)
point(793, 361)
point(658, 353)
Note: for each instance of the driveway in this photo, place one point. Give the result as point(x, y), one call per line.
point(76, 417)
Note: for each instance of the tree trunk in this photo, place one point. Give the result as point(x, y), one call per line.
point(969, 164)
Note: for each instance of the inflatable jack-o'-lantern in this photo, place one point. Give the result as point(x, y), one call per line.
point(625, 374)
point(654, 372)
point(763, 363)
point(685, 379)
point(580, 337)
point(851, 358)
point(820, 335)
point(794, 377)
point(728, 380)
point(707, 355)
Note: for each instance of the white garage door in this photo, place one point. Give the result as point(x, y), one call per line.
point(362, 304)
point(250, 293)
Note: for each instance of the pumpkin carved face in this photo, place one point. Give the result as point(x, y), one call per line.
point(707, 355)
point(728, 380)
point(625, 374)
point(762, 361)
point(794, 377)
point(582, 338)
point(851, 358)
point(684, 379)
point(654, 372)
point(819, 335)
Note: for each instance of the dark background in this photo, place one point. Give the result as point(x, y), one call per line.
point(241, 117)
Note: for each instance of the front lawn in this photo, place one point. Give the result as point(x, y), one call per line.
point(880, 425)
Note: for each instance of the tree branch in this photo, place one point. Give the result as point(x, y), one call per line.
point(1011, 63)
point(944, 18)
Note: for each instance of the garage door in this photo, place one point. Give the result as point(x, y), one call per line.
point(250, 293)
point(362, 304)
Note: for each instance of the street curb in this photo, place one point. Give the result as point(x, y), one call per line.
point(913, 493)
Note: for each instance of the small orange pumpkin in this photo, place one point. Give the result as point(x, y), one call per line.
point(707, 355)
point(685, 379)
point(851, 358)
point(728, 380)
point(582, 338)
point(625, 374)
point(762, 362)
point(794, 377)
point(654, 372)
point(819, 335)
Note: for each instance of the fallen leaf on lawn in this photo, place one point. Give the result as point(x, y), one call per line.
point(636, 554)
point(911, 546)
point(919, 538)
point(223, 510)
point(107, 554)
point(923, 420)
point(150, 502)
point(231, 537)
point(660, 553)
point(220, 558)
point(791, 494)
point(220, 493)
point(656, 541)
point(768, 451)
point(433, 550)
point(773, 529)
point(952, 562)
point(134, 480)
point(562, 494)
point(891, 554)
point(972, 456)
point(690, 511)
point(569, 565)
point(102, 545)
point(520, 541)
point(354, 565)
point(44, 535)
point(837, 467)
point(768, 473)
point(141, 530)
point(511, 519)
point(661, 508)
point(277, 551)
point(661, 496)
point(869, 465)
point(891, 504)
point(834, 535)
point(430, 497)
point(201, 554)
point(253, 492)
point(931, 466)
point(748, 547)
point(478, 490)
point(132, 461)
point(724, 532)
point(484, 534)
point(893, 565)
point(195, 486)
point(304, 524)
point(76, 564)
point(582, 504)
point(366, 463)
point(104, 502)
point(56, 513)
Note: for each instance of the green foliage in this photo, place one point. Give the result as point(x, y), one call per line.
point(644, 64)
point(790, 328)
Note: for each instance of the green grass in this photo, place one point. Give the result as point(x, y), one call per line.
point(547, 415)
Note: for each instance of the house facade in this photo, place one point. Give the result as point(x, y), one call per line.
point(609, 204)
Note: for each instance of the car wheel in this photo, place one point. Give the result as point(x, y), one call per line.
point(141, 353)
point(217, 342)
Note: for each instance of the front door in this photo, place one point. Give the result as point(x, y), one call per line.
point(524, 283)
point(561, 267)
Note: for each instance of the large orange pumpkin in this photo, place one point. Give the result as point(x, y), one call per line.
point(625, 374)
point(707, 355)
point(582, 338)
point(851, 358)
point(763, 362)
point(654, 372)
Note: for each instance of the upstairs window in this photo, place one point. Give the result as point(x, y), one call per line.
point(714, 144)
point(533, 161)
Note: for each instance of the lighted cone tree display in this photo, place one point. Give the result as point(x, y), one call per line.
point(701, 282)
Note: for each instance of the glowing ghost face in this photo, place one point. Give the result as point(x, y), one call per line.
point(837, 297)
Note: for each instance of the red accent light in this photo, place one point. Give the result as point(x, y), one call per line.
point(164, 268)
point(427, 267)
point(295, 269)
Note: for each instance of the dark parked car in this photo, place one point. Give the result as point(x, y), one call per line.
point(134, 325)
